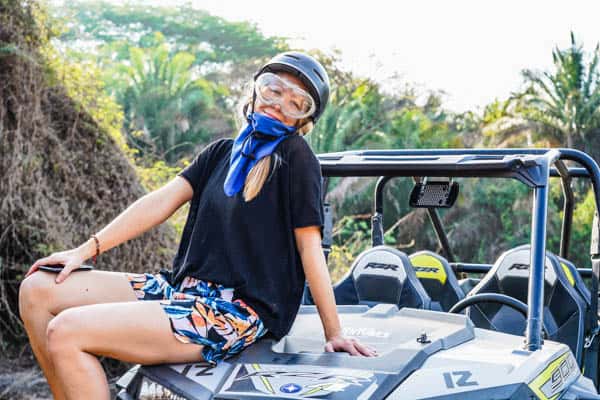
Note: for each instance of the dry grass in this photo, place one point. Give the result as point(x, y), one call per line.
point(61, 179)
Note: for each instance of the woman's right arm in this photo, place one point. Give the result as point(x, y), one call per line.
point(148, 211)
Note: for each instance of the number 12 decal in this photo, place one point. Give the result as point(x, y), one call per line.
point(458, 379)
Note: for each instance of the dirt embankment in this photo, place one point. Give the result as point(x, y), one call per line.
point(61, 179)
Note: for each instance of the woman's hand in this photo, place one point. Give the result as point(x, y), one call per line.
point(71, 259)
point(349, 345)
point(308, 242)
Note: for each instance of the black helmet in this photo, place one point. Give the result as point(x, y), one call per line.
point(308, 70)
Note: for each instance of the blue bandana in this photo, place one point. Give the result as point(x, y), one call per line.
point(257, 140)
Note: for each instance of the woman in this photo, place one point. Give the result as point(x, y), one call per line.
point(251, 239)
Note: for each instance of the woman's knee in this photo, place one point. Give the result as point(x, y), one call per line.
point(35, 293)
point(62, 332)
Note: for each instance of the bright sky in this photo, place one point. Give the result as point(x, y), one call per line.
point(472, 50)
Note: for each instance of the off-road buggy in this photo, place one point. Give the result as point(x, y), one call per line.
point(526, 330)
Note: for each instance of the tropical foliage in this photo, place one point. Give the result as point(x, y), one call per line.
point(565, 103)
point(178, 74)
point(167, 110)
point(150, 86)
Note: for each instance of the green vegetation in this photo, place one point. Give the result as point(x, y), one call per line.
point(166, 108)
point(129, 95)
point(171, 79)
point(177, 74)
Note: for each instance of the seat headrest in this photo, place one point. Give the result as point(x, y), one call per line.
point(515, 264)
point(429, 265)
point(564, 308)
point(384, 275)
point(381, 261)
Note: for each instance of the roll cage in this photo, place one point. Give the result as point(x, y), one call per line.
point(532, 167)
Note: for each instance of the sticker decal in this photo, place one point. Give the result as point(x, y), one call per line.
point(371, 332)
point(555, 378)
point(376, 265)
point(290, 388)
point(297, 381)
point(459, 379)
point(516, 264)
point(203, 373)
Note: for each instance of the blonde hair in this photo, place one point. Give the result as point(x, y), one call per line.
point(259, 174)
point(261, 171)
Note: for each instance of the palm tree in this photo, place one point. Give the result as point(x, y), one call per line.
point(165, 105)
point(503, 126)
point(566, 103)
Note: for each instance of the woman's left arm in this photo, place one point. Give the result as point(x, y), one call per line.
point(308, 240)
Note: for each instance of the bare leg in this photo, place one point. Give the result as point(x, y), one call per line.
point(137, 332)
point(40, 299)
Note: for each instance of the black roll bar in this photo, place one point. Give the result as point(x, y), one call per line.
point(532, 167)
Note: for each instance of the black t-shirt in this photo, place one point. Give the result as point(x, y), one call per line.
point(250, 246)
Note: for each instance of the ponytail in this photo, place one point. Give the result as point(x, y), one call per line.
point(259, 174)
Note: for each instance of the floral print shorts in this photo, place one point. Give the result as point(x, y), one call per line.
point(202, 312)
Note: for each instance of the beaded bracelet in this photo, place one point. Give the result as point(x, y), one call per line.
point(97, 249)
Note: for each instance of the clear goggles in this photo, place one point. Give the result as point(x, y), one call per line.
point(293, 101)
